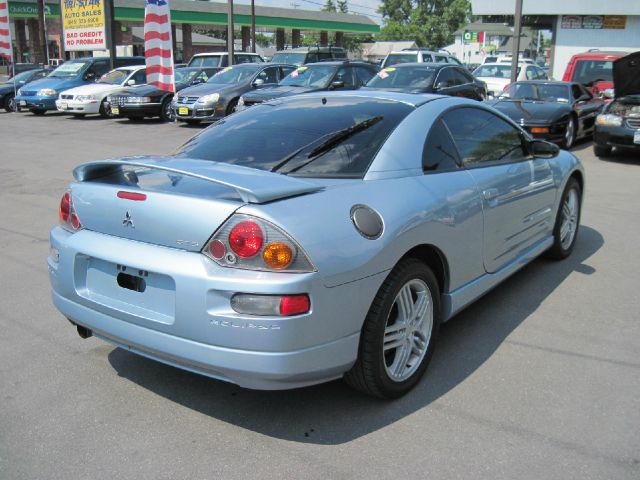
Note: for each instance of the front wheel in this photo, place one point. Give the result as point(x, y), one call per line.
point(166, 112)
point(565, 231)
point(399, 332)
point(569, 134)
point(10, 103)
point(105, 109)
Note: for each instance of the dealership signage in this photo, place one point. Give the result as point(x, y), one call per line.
point(84, 25)
point(593, 22)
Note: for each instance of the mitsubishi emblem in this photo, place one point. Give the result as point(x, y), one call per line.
point(127, 220)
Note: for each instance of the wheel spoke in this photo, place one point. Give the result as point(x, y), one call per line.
point(420, 308)
point(405, 303)
point(394, 344)
point(402, 356)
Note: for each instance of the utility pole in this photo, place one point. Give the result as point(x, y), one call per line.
point(253, 26)
point(230, 38)
point(517, 28)
point(42, 35)
point(110, 22)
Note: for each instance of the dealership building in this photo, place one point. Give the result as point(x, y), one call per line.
point(576, 25)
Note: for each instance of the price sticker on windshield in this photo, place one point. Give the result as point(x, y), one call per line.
point(384, 73)
point(224, 70)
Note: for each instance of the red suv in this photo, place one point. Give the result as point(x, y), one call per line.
point(593, 69)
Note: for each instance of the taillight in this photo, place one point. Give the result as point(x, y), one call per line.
point(69, 219)
point(294, 305)
point(246, 239)
point(271, 305)
point(252, 243)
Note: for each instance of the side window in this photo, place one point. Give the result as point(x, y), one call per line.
point(140, 77)
point(364, 74)
point(541, 74)
point(269, 75)
point(243, 58)
point(99, 68)
point(483, 138)
point(345, 74)
point(439, 153)
point(323, 56)
point(441, 59)
point(459, 77)
point(284, 71)
point(444, 78)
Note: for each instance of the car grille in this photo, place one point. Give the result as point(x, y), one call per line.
point(633, 122)
point(29, 93)
point(187, 99)
point(66, 97)
point(117, 100)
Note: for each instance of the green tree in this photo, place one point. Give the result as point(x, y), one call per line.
point(329, 6)
point(342, 6)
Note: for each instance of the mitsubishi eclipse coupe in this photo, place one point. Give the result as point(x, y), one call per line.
point(311, 238)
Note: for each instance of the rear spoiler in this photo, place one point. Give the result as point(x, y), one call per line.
point(252, 185)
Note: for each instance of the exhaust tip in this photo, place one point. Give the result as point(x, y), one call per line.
point(84, 332)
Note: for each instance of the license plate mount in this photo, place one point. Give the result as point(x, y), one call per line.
point(183, 111)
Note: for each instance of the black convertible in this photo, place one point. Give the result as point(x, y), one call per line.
point(559, 112)
point(142, 101)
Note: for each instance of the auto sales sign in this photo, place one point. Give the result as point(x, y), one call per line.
point(84, 25)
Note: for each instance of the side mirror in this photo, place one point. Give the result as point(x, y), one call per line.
point(257, 83)
point(609, 93)
point(440, 86)
point(131, 82)
point(544, 149)
point(337, 84)
point(89, 76)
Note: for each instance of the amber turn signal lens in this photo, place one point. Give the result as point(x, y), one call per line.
point(539, 130)
point(277, 255)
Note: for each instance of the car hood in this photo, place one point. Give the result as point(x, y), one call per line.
point(626, 75)
point(59, 84)
point(263, 94)
point(141, 91)
point(400, 90)
point(207, 88)
point(93, 89)
point(532, 111)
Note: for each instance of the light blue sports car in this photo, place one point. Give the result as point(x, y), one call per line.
point(321, 236)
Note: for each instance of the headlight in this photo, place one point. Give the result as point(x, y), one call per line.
point(85, 98)
point(137, 100)
point(47, 92)
point(212, 98)
point(609, 120)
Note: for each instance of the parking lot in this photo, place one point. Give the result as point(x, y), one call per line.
point(539, 379)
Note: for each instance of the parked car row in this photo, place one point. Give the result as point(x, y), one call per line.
point(560, 112)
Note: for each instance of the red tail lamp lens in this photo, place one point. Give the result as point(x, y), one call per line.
point(294, 305)
point(246, 239)
point(65, 207)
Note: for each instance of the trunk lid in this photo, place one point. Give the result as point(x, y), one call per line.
point(172, 202)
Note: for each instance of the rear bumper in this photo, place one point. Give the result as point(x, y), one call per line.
point(195, 328)
point(621, 137)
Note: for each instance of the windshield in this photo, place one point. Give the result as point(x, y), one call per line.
point(407, 77)
point(537, 91)
point(115, 77)
point(302, 136)
point(69, 69)
point(590, 72)
point(184, 75)
point(395, 58)
point(291, 58)
point(233, 75)
point(496, 71)
point(208, 61)
point(310, 76)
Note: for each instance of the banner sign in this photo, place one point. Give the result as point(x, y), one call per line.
point(6, 49)
point(593, 22)
point(83, 22)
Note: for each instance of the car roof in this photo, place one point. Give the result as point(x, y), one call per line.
point(216, 54)
point(599, 55)
point(338, 63)
point(131, 67)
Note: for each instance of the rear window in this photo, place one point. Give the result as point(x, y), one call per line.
point(209, 61)
point(396, 58)
point(302, 136)
point(589, 72)
point(404, 77)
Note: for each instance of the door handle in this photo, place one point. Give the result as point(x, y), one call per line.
point(490, 193)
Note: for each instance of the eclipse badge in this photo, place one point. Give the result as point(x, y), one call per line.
point(127, 220)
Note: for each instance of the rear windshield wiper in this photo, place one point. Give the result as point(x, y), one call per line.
point(334, 139)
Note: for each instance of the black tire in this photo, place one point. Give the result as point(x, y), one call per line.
point(9, 103)
point(601, 150)
point(105, 109)
point(561, 250)
point(38, 111)
point(570, 138)
point(231, 107)
point(166, 112)
point(370, 372)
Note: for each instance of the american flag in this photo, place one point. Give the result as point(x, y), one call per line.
point(158, 47)
point(6, 50)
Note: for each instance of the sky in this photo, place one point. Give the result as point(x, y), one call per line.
point(363, 7)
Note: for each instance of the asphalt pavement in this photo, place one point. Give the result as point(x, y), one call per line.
point(540, 379)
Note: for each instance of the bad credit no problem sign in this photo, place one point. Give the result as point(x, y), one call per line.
point(83, 22)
